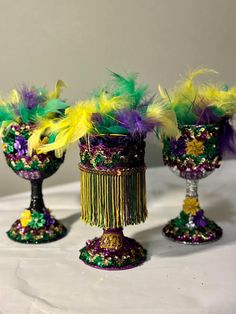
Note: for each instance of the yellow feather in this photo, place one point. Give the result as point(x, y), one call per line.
point(186, 92)
point(162, 92)
point(198, 72)
point(4, 127)
point(57, 90)
point(34, 142)
point(166, 117)
point(14, 97)
point(75, 124)
point(107, 104)
point(225, 100)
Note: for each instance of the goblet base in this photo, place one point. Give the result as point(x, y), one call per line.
point(113, 251)
point(36, 234)
point(193, 235)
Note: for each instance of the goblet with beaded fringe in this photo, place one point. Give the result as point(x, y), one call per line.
point(113, 195)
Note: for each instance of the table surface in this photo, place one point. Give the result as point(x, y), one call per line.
point(49, 278)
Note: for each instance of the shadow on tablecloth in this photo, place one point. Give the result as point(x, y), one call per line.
point(221, 211)
point(70, 220)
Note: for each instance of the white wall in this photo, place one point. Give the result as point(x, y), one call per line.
point(76, 40)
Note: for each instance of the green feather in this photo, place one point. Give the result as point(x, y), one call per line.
point(185, 115)
point(52, 106)
point(108, 125)
point(218, 111)
point(7, 113)
point(51, 138)
point(127, 87)
point(24, 113)
point(116, 129)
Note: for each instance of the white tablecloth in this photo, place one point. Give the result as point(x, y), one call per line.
point(49, 278)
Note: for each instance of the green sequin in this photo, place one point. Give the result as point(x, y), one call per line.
point(37, 221)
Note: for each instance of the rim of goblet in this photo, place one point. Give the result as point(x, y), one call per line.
point(198, 125)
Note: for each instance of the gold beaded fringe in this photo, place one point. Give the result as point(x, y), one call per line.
point(113, 198)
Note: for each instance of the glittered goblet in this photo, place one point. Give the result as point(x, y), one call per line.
point(113, 195)
point(194, 156)
point(36, 225)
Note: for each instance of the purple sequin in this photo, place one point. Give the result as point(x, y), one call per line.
point(178, 147)
point(199, 219)
point(49, 220)
point(21, 146)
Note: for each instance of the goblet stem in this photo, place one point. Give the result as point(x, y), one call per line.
point(192, 188)
point(36, 203)
point(192, 227)
point(192, 191)
point(113, 251)
point(38, 225)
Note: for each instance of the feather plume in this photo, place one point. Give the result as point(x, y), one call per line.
point(119, 109)
point(126, 86)
point(228, 138)
point(28, 105)
point(106, 104)
point(165, 117)
point(14, 97)
point(7, 113)
point(195, 103)
point(53, 106)
point(75, 124)
point(34, 142)
point(132, 122)
point(57, 90)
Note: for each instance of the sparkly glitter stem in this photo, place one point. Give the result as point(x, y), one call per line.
point(192, 194)
point(192, 188)
point(36, 203)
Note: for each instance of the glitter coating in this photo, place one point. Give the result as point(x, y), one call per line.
point(37, 224)
point(113, 195)
point(194, 156)
point(196, 153)
point(113, 191)
point(192, 230)
point(111, 152)
point(39, 228)
point(119, 252)
point(15, 148)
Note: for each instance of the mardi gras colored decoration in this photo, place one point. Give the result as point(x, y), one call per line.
point(19, 116)
point(204, 113)
point(111, 128)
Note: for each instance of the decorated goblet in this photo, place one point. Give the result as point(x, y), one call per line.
point(37, 224)
point(193, 156)
point(113, 195)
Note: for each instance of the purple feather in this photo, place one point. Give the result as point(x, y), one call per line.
point(30, 97)
point(96, 117)
point(137, 125)
point(206, 116)
point(227, 138)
